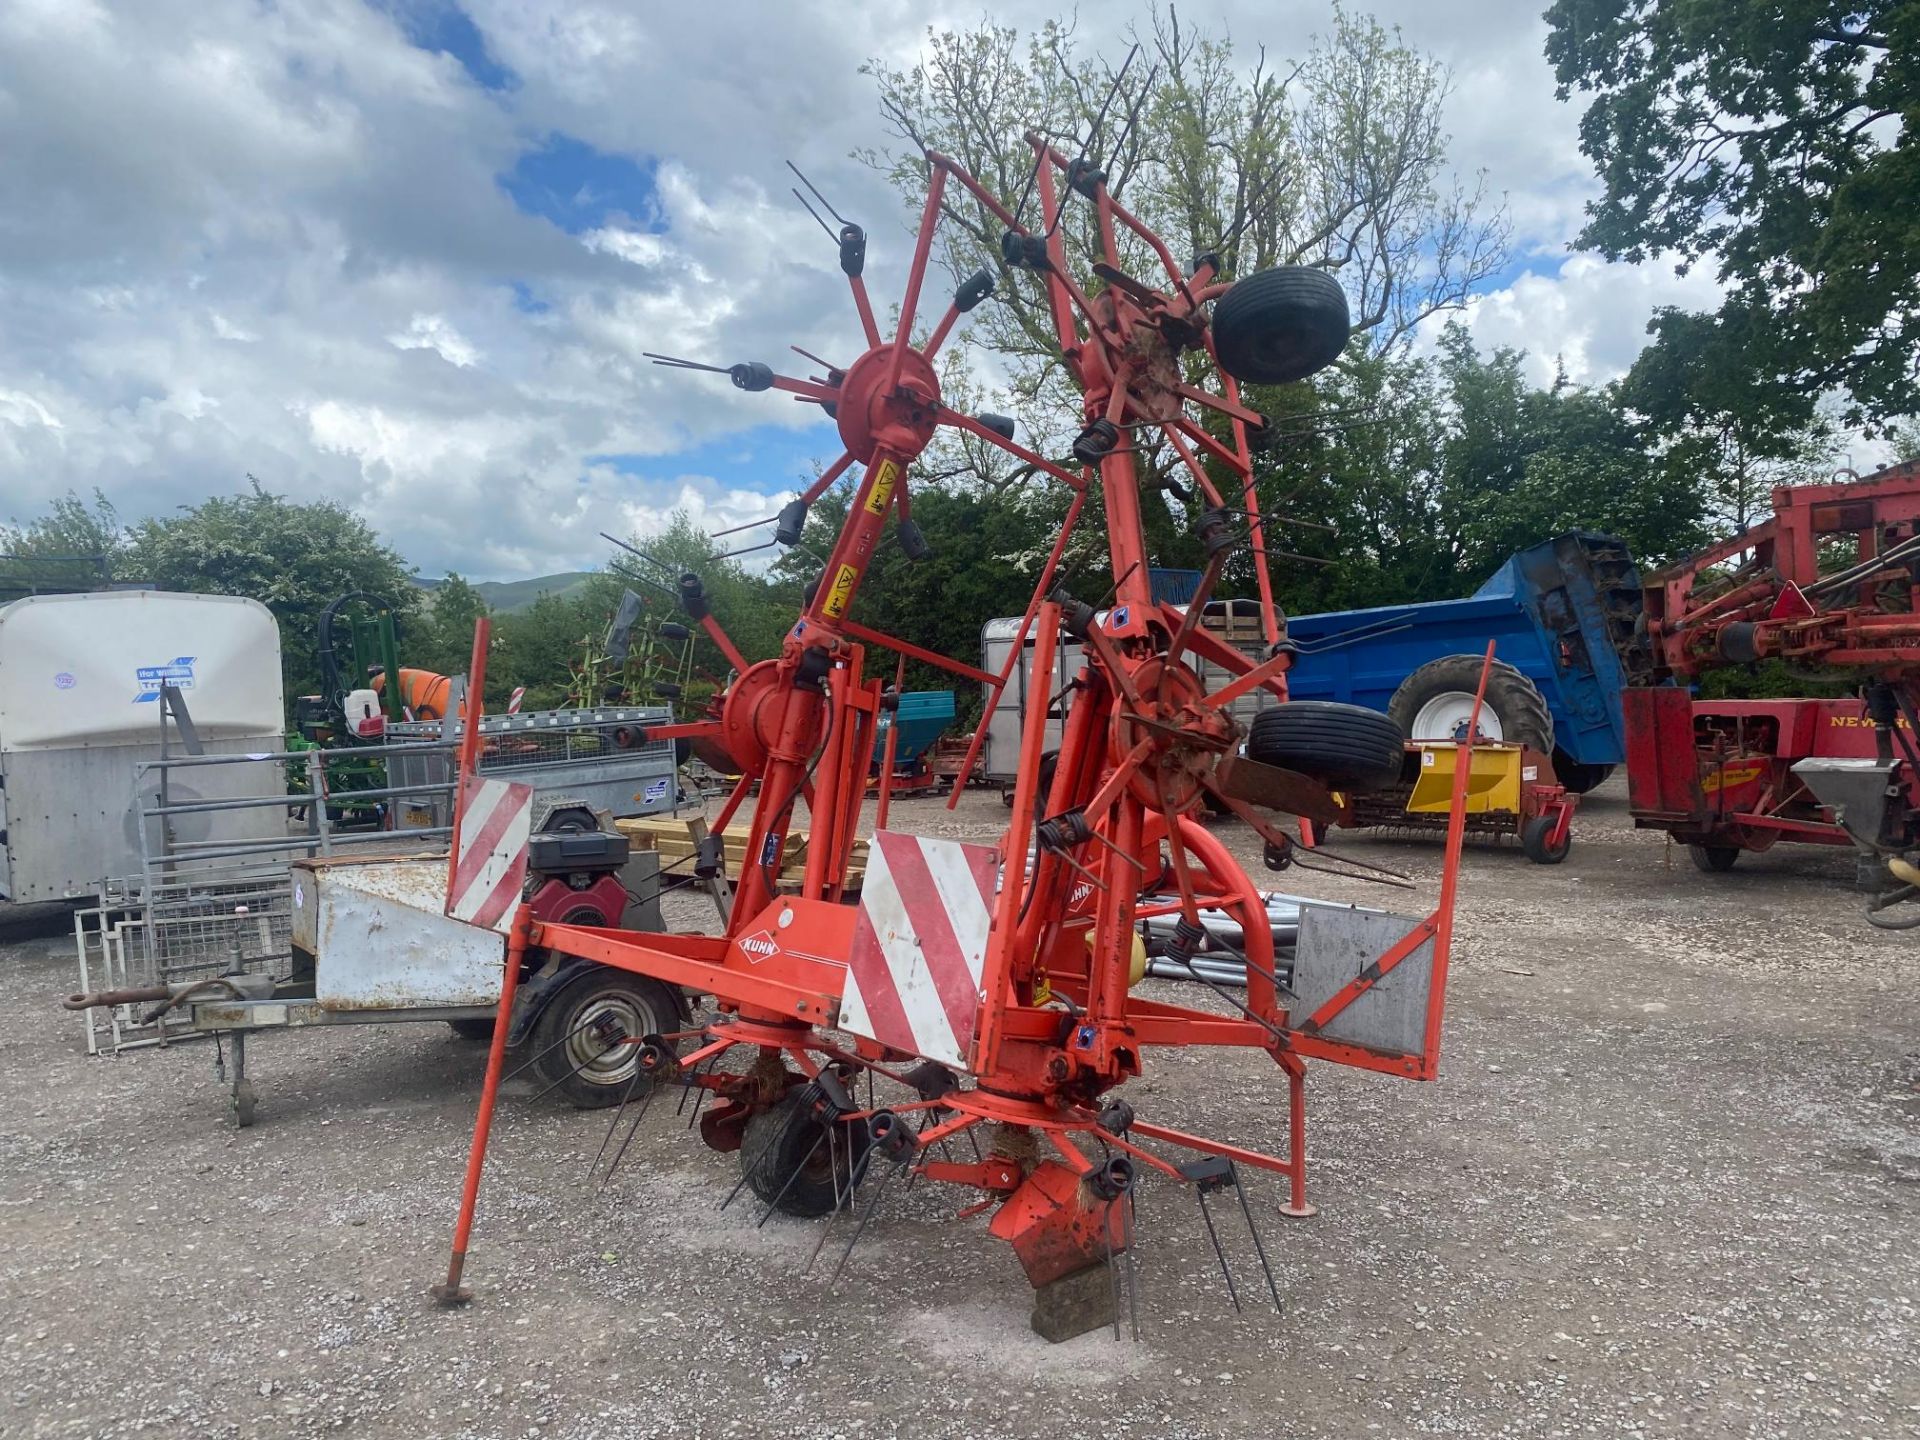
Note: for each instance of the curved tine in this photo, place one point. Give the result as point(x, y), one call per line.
point(949, 416)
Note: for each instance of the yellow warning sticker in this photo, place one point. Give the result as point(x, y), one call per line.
point(841, 592)
point(882, 492)
point(1728, 776)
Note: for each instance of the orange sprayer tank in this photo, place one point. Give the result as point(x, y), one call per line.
point(422, 692)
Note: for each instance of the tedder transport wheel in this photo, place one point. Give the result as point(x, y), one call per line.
point(578, 1035)
point(1714, 859)
point(1434, 701)
point(1346, 747)
point(1535, 837)
point(785, 1138)
point(1280, 325)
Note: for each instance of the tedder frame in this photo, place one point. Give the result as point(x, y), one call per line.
point(995, 982)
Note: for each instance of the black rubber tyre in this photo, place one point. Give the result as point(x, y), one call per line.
point(1280, 325)
point(1049, 767)
point(578, 1036)
point(1714, 859)
point(1534, 840)
point(1579, 779)
point(472, 1029)
point(784, 1138)
point(1515, 701)
point(1345, 747)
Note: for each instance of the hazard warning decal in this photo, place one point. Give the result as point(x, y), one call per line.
point(913, 974)
point(490, 853)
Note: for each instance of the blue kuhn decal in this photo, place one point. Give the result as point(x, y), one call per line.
point(656, 790)
point(178, 674)
point(769, 850)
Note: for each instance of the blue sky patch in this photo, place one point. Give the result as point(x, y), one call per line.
point(445, 29)
point(577, 187)
point(767, 458)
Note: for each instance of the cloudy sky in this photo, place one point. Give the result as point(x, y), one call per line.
point(407, 254)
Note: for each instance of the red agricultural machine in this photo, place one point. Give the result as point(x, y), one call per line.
point(1830, 585)
point(988, 989)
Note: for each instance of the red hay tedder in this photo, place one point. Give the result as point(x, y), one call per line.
point(988, 988)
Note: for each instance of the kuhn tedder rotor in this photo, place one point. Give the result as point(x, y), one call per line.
point(995, 982)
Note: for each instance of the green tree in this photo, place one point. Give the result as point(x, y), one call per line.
point(75, 545)
point(295, 558)
point(1736, 433)
point(1522, 464)
point(442, 639)
point(1780, 143)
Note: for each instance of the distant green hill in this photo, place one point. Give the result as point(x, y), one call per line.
point(510, 597)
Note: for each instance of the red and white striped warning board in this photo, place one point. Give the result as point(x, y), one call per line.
point(490, 853)
point(913, 973)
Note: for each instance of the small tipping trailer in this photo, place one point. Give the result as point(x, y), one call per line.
point(1565, 618)
point(368, 942)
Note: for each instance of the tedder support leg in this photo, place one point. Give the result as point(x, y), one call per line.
point(450, 1292)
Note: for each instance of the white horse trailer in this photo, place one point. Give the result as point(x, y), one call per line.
point(1235, 622)
point(81, 679)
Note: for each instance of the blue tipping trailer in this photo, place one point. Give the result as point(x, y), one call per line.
point(1566, 614)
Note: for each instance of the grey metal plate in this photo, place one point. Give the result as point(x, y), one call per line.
point(1335, 945)
point(382, 943)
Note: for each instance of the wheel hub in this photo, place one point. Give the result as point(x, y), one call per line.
point(1445, 717)
point(872, 413)
point(1187, 738)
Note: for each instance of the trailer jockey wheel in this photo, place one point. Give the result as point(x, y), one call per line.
point(586, 1038)
point(786, 1138)
point(1536, 839)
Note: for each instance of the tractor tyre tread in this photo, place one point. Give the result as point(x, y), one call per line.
point(1513, 698)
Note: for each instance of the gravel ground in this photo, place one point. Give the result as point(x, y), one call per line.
point(1667, 1184)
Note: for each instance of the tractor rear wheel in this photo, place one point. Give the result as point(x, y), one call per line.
point(1433, 703)
point(1280, 325)
point(1344, 747)
point(792, 1164)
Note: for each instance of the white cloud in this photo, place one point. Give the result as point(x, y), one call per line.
point(1589, 316)
point(432, 332)
point(241, 238)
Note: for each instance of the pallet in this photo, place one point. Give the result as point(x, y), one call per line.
point(672, 840)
